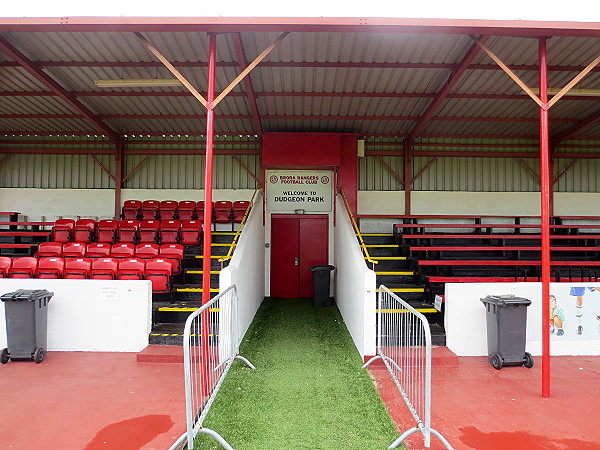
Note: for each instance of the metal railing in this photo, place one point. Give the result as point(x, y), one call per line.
point(357, 230)
point(210, 346)
point(404, 345)
point(239, 230)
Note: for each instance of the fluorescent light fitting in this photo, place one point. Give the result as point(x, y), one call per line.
point(579, 92)
point(138, 82)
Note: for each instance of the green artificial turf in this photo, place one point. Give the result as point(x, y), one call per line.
point(308, 390)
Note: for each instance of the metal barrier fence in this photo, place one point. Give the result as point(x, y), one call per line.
point(210, 346)
point(404, 346)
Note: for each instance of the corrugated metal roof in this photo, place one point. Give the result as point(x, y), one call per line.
point(85, 53)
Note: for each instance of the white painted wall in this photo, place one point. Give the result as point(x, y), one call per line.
point(73, 203)
point(355, 284)
point(465, 318)
point(247, 266)
point(91, 315)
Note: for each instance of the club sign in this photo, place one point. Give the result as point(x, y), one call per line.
point(290, 190)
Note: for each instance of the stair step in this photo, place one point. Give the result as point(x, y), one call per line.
point(410, 272)
point(406, 289)
point(194, 289)
point(389, 258)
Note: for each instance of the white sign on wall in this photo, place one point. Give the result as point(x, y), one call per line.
point(291, 190)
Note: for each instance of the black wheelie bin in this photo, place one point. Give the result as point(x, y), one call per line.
point(26, 314)
point(321, 285)
point(506, 317)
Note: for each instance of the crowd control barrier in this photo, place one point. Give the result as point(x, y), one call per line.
point(210, 346)
point(404, 345)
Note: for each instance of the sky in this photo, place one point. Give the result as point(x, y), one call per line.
point(560, 10)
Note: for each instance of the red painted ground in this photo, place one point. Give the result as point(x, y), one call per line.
point(80, 400)
point(76, 400)
point(477, 407)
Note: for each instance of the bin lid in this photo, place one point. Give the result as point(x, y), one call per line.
point(321, 268)
point(508, 299)
point(27, 295)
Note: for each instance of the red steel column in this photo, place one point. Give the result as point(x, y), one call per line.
point(545, 186)
point(119, 166)
point(208, 170)
point(407, 175)
point(208, 176)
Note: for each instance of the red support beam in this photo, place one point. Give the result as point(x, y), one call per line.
point(208, 169)
point(135, 169)
point(545, 187)
point(589, 120)
point(390, 169)
point(103, 167)
point(119, 171)
point(36, 70)
point(250, 95)
point(565, 170)
point(535, 175)
point(407, 175)
point(245, 167)
point(302, 64)
point(425, 167)
point(443, 93)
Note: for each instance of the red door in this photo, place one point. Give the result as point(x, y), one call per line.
point(297, 243)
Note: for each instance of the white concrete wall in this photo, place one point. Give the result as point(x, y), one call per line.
point(247, 267)
point(91, 315)
point(465, 318)
point(354, 284)
point(71, 203)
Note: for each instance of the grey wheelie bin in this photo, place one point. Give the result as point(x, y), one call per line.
point(26, 314)
point(506, 317)
point(321, 285)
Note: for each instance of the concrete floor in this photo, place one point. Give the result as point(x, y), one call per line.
point(475, 406)
point(75, 400)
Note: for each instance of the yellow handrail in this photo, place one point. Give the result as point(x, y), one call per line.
point(237, 234)
point(356, 230)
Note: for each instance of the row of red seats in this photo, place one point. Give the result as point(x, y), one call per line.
point(104, 250)
point(223, 211)
point(157, 270)
point(187, 232)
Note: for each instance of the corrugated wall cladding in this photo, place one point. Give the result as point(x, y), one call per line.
point(187, 172)
point(56, 172)
point(157, 172)
point(474, 174)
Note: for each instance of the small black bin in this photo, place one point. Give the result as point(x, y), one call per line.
point(26, 314)
point(506, 317)
point(321, 285)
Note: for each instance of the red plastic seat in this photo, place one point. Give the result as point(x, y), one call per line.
point(49, 249)
point(106, 231)
point(186, 210)
point(146, 251)
point(131, 269)
point(167, 209)
point(159, 271)
point(173, 252)
point(77, 268)
point(222, 212)
point(50, 268)
point(122, 250)
point(148, 231)
point(104, 269)
point(127, 231)
point(239, 209)
point(190, 232)
point(98, 250)
point(74, 250)
point(84, 230)
point(5, 263)
point(169, 231)
point(23, 267)
point(131, 210)
point(200, 209)
point(62, 230)
point(150, 209)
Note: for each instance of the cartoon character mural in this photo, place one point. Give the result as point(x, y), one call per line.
point(578, 293)
point(557, 318)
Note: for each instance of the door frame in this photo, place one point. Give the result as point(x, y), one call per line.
point(268, 217)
